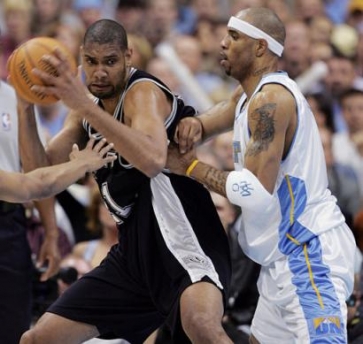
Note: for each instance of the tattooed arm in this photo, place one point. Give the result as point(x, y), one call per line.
point(272, 121)
point(182, 164)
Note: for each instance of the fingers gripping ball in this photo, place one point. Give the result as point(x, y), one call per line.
point(28, 56)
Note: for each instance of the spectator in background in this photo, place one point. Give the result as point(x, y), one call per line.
point(131, 14)
point(342, 180)
point(209, 32)
point(321, 28)
point(71, 36)
point(47, 16)
point(336, 10)
point(238, 5)
point(88, 11)
point(359, 53)
point(227, 212)
point(18, 20)
point(320, 52)
point(347, 148)
point(306, 10)
point(296, 57)
point(206, 9)
point(281, 7)
point(189, 51)
point(36, 234)
point(141, 50)
point(158, 67)
point(51, 118)
point(161, 20)
point(222, 145)
point(354, 13)
point(101, 223)
point(322, 110)
point(341, 77)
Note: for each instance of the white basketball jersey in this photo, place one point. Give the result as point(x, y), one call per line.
point(9, 152)
point(306, 206)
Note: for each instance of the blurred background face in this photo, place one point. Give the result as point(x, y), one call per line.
point(188, 50)
point(161, 70)
point(71, 37)
point(206, 8)
point(47, 9)
point(297, 41)
point(352, 109)
point(340, 76)
point(321, 29)
point(308, 9)
point(18, 23)
point(163, 12)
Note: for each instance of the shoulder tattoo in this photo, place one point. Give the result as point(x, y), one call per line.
point(264, 133)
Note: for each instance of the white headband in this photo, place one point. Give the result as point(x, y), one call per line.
point(254, 32)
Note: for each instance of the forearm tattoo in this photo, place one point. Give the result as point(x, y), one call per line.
point(215, 180)
point(264, 132)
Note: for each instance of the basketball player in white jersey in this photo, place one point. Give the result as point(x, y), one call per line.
point(292, 225)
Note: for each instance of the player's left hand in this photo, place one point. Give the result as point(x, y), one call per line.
point(177, 162)
point(49, 256)
point(95, 154)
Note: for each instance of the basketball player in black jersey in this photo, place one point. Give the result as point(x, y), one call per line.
point(172, 264)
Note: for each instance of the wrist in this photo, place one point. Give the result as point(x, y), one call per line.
point(201, 126)
point(53, 235)
point(191, 167)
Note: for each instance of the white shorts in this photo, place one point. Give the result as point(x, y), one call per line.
point(302, 296)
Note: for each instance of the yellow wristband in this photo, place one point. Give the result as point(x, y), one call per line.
point(191, 167)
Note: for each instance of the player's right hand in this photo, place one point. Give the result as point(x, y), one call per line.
point(188, 132)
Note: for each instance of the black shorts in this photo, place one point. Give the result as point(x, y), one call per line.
point(16, 270)
point(166, 245)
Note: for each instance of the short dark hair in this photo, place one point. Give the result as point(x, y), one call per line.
point(106, 31)
point(349, 93)
point(267, 20)
point(131, 4)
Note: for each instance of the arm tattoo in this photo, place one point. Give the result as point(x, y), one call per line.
point(215, 180)
point(265, 128)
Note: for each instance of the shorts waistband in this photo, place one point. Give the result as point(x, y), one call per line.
point(6, 207)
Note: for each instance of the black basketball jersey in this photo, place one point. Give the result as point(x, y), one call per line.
point(120, 182)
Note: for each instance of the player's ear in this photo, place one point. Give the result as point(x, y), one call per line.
point(261, 47)
point(128, 55)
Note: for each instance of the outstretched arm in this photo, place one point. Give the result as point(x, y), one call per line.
point(48, 181)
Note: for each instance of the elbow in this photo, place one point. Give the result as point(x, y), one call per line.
point(155, 166)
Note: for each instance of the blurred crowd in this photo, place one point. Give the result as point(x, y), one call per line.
point(179, 42)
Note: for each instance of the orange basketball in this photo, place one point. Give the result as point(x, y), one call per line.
point(28, 56)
